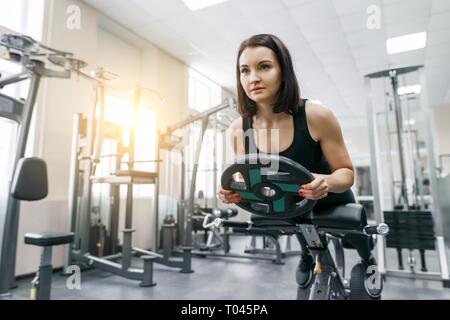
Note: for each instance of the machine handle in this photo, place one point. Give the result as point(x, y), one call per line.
point(381, 229)
point(210, 223)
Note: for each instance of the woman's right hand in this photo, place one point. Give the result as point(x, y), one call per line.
point(228, 196)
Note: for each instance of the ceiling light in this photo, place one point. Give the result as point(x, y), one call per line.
point(406, 43)
point(200, 4)
point(415, 89)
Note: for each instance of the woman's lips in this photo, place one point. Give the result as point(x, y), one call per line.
point(257, 90)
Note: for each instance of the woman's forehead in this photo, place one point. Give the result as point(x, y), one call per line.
point(253, 55)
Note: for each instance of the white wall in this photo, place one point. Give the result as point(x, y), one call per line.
point(442, 118)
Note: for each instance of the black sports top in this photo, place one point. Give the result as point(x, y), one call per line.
point(303, 150)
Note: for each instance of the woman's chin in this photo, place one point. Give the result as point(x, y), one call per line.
point(264, 100)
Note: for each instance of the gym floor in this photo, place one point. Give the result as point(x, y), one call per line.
point(231, 279)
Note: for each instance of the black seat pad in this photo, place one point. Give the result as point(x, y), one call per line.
point(47, 239)
point(343, 216)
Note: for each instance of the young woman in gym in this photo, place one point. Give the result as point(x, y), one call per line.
point(308, 133)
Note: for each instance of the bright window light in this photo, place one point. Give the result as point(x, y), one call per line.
point(406, 43)
point(415, 89)
point(200, 4)
point(409, 122)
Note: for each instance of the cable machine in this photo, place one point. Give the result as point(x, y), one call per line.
point(412, 226)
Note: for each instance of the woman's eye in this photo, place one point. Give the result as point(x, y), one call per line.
point(244, 71)
point(264, 67)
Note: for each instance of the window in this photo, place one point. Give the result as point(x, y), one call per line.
point(203, 94)
point(119, 111)
point(23, 16)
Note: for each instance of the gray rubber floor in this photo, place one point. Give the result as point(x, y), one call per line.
point(230, 279)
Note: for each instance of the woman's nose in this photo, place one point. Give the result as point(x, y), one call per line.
point(254, 77)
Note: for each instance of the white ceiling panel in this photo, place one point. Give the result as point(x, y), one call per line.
point(186, 24)
point(157, 32)
point(366, 38)
point(255, 8)
point(130, 16)
point(159, 9)
point(435, 38)
point(329, 41)
point(102, 5)
point(440, 6)
point(294, 3)
point(337, 45)
point(419, 24)
point(313, 12)
point(411, 58)
point(279, 21)
point(322, 30)
point(354, 22)
point(401, 11)
point(440, 21)
point(347, 7)
point(438, 50)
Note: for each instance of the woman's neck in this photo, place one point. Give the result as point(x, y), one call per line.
point(265, 115)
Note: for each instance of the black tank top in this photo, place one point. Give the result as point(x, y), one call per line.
point(303, 150)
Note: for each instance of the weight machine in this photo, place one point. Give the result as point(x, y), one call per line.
point(413, 226)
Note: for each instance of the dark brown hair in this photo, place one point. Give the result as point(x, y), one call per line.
point(289, 92)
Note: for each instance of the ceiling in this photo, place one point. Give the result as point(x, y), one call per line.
point(329, 40)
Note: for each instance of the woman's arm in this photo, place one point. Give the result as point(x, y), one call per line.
point(325, 127)
point(235, 136)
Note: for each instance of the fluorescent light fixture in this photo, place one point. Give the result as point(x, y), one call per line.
point(409, 122)
point(408, 42)
point(200, 4)
point(415, 89)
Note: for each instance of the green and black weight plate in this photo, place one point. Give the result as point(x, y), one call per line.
point(268, 185)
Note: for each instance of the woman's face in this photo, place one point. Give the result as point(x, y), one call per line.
point(260, 74)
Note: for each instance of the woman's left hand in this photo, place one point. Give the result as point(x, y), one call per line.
point(316, 189)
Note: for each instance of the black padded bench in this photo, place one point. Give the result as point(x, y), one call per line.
point(335, 219)
point(348, 216)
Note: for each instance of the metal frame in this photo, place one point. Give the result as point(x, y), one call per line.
point(23, 49)
point(443, 275)
point(186, 211)
point(80, 196)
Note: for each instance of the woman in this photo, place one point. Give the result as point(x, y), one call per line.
point(306, 132)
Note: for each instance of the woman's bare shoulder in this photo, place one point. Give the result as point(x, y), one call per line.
point(236, 124)
point(318, 112)
point(321, 120)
